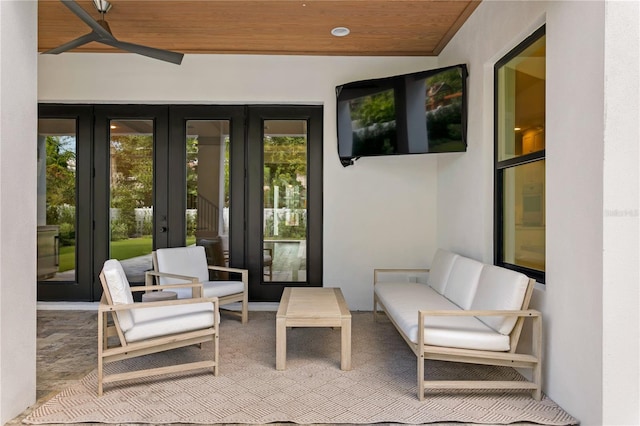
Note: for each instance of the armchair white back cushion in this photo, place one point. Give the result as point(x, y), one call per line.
point(119, 291)
point(190, 261)
point(500, 289)
point(440, 269)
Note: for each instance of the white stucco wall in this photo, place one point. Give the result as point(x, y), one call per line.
point(621, 230)
point(18, 124)
point(379, 212)
point(578, 276)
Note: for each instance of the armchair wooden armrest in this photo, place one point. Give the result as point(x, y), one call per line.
point(104, 307)
point(243, 272)
point(148, 280)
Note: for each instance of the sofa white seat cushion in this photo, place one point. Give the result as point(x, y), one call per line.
point(440, 269)
point(402, 302)
point(463, 281)
point(500, 289)
point(164, 320)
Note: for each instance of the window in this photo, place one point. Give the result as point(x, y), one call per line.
point(519, 131)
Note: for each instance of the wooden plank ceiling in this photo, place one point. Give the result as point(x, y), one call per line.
point(291, 27)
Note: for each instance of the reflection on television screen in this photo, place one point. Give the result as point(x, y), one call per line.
point(373, 122)
point(443, 110)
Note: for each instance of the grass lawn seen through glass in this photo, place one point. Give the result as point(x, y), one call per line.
point(121, 250)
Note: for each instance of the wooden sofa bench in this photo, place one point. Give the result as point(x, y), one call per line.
point(466, 311)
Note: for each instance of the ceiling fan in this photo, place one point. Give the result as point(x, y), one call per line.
point(101, 33)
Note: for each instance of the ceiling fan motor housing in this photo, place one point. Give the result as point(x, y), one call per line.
point(103, 6)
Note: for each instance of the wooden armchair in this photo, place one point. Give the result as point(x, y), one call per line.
point(178, 265)
point(146, 328)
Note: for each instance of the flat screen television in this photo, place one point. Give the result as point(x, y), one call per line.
point(418, 113)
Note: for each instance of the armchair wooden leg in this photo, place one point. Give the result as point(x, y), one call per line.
point(421, 377)
point(245, 311)
point(102, 339)
point(216, 349)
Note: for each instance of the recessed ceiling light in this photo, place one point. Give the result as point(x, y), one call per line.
point(340, 31)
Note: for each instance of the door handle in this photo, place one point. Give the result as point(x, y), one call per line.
point(163, 229)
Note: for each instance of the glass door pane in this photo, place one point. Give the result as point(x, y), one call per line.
point(131, 195)
point(207, 175)
point(285, 201)
point(57, 147)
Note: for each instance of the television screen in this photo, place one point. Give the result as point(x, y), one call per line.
point(416, 113)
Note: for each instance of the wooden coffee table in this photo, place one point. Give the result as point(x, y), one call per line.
point(313, 307)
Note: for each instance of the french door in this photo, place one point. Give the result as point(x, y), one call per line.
point(64, 217)
point(119, 181)
point(284, 206)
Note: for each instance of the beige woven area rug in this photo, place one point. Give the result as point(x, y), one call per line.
point(381, 387)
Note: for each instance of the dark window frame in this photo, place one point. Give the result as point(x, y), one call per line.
point(501, 166)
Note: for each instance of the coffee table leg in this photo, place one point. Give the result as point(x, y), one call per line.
point(345, 352)
point(281, 344)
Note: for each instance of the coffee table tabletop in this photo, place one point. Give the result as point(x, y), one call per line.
point(313, 307)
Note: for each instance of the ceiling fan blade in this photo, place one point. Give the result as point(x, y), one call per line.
point(87, 19)
point(151, 52)
point(87, 38)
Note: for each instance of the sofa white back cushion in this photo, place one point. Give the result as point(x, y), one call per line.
point(119, 290)
point(463, 281)
point(500, 289)
point(190, 261)
point(440, 269)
